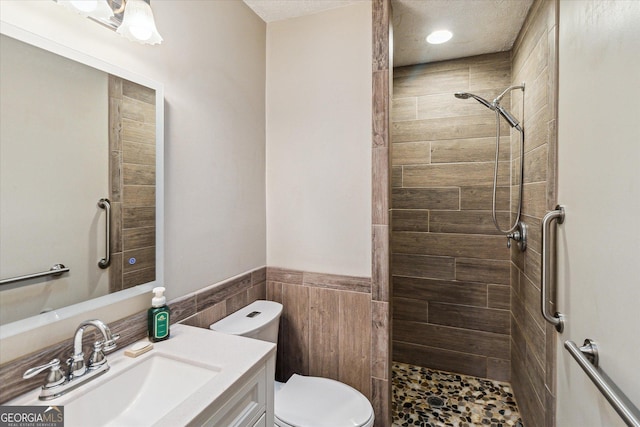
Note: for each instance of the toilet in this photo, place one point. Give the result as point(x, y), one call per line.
point(302, 401)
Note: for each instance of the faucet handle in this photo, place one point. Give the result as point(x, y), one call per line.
point(55, 376)
point(110, 345)
point(97, 356)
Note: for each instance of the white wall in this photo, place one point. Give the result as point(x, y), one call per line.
point(212, 65)
point(53, 171)
point(599, 242)
point(319, 142)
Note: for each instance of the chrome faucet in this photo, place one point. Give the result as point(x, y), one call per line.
point(76, 363)
point(79, 372)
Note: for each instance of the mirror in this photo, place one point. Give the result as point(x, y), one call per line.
point(73, 131)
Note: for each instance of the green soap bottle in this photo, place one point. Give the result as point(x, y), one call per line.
point(158, 317)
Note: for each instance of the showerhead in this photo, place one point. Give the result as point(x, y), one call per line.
point(467, 95)
point(493, 106)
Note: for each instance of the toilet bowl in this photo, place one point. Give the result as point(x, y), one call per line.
point(302, 401)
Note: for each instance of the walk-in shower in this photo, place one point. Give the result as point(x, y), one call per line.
point(518, 230)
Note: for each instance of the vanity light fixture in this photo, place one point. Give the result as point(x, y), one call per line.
point(138, 24)
point(439, 37)
point(132, 19)
point(98, 9)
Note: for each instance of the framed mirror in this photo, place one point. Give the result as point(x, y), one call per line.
point(81, 176)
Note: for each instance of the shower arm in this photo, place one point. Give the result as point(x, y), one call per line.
point(498, 98)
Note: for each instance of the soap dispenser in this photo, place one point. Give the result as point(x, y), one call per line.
point(158, 316)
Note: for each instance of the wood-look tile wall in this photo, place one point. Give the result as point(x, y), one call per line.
point(379, 315)
point(534, 59)
point(325, 328)
point(450, 268)
point(200, 309)
point(132, 141)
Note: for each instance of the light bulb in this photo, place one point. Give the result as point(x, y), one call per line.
point(138, 23)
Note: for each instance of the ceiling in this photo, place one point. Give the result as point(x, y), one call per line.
point(478, 26)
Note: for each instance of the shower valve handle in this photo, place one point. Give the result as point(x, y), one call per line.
point(519, 235)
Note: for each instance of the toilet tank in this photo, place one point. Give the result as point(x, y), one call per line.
point(258, 320)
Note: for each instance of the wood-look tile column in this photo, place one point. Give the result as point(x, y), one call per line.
point(380, 284)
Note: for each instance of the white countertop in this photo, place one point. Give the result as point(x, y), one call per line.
point(234, 357)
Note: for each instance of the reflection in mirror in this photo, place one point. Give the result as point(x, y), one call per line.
point(71, 135)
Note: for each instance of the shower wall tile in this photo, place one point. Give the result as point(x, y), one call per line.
point(410, 220)
point(411, 153)
point(491, 73)
point(465, 222)
point(132, 182)
point(410, 309)
point(534, 201)
point(537, 133)
point(139, 153)
point(536, 375)
point(480, 319)
point(428, 267)
point(499, 296)
point(454, 174)
point(138, 174)
point(396, 176)
point(425, 198)
point(479, 198)
point(450, 269)
point(445, 128)
point(441, 359)
point(453, 339)
point(135, 131)
point(446, 105)
point(428, 290)
point(426, 82)
point(499, 369)
point(533, 266)
point(482, 270)
point(404, 109)
point(456, 245)
point(469, 150)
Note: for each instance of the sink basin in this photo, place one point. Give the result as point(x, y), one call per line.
point(182, 381)
point(141, 394)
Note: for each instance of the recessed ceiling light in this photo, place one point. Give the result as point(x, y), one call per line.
point(438, 37)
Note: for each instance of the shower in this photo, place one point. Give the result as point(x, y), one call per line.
point(518, 230)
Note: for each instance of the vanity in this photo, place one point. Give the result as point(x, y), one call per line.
point(196, 378)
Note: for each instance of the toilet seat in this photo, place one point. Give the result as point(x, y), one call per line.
point(321, 402)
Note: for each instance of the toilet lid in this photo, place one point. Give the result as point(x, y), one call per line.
point(320, 402)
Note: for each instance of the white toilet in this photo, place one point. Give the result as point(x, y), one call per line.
point(302, 401)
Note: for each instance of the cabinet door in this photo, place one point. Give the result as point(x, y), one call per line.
point(246, 406)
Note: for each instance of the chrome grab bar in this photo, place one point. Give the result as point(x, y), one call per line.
point(106, 261)
point(557, 319)
point(622, 405)
point(56, 270)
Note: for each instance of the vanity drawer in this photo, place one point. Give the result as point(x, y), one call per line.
point(246, 407)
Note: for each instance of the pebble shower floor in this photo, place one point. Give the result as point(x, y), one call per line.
point(464, 401)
